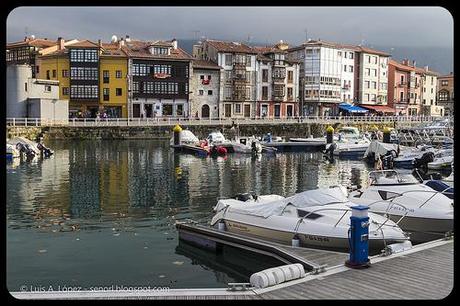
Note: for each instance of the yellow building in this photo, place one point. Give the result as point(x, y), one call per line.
point(92, 76)
point(113, 80)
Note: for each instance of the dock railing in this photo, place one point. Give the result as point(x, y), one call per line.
point(171, 121)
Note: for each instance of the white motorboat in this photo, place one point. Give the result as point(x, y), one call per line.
point(318, 218)
point(415, 207)
point(11, 152)
point(217, 138)
point(349, 143)
point(186, 137)
point(443, 159)
point(247, 145)
point(29, 148)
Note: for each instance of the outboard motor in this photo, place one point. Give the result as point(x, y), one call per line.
point(423, 161)
point(26, 150)
point(46, 152)
point(388, 159)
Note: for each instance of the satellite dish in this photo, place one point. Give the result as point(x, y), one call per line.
point(114, 38)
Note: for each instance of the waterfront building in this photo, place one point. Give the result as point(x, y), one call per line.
point(429, 105)
point(348, 56)
point(29, 97)
point(371, 76)
point(320, 76)
point(445, 93)
point(405, 88)
point(158, 79)
point(238, 75)
point(277, 82)
point(76, 67)
point(113, 76)
point(204, 89)
point(25, 52)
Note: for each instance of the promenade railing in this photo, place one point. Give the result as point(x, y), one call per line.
point(170, 121)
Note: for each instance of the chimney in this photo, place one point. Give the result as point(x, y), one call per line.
point(426, 68)
point(405, 62)
point(413, 62)
point(60, 42)
point(174, 43)
point(121, 42)
point(99, 43)
point(127, 39)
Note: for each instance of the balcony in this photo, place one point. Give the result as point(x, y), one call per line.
point(402, 84)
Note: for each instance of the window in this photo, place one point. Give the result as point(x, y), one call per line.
point(443, 95)
point(37, 70)
point(290, 76)
point(201, 77)
point(25, 87)
point(106, 93)
point(118, 74)
point(179, 109)
point(444, 83)
point(351, 68)
point(65, 91)
point(374, 85)
point(351, 55)
point(373, 97)
point(368, 59)
point(375, 59)
point(368, 72)
point(345, 68)
point(106, 76)
point(209, 77)
point(339, 53)
point(402, 80)
point(65, 73)
point(375, 72)
point(167, 110)
point(264, 75)
point(289, 93)
point(48, 88)
point(135, 87)
point(367, 83)
point(84, 91)
point(118, 91)
point(264, 92)
point(248, 61)
point(238, 108)
point(47, 74)
point(401, 96)
point(54, 73)
point(201, 92)
point(209, 92)
point(308, 215)
point(366, 97)
point(83, 73)
point(228, 59)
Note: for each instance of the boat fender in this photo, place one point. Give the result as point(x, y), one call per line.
point(277, 275)
point(221, 226)
point(295, 241)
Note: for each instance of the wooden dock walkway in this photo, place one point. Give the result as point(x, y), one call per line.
point(423, 272)
point(313, 260)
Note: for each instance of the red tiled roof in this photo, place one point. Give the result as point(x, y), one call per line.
point(37, 42)
point(205, 64)
point(83, 44)
point(140, 49)
point(233, 47)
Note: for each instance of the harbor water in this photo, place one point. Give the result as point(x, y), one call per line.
point(102, 213)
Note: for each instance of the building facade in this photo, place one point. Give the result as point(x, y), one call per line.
point(371, 77)
point(29, 97)
point(445, 94)
point(429, 106)
point(205, 88)
point(277, 82)
point(320, 77)
point(158, 79)
point(238, 75)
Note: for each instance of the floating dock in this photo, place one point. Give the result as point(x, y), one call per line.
point(423, 272)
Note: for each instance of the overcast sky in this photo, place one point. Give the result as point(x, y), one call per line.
point(394, 26)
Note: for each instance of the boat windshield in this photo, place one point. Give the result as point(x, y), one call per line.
point(391, 177)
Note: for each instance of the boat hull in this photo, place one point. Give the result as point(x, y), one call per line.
point(306, 240)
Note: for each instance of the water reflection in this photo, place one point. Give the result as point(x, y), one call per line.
point(126, 195)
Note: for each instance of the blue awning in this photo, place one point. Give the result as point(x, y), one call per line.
point(352, 108)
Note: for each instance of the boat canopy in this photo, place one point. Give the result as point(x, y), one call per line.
point(352, 108)
point(317, 197)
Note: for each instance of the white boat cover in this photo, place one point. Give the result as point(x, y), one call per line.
point(317, 197)
point(381, 148)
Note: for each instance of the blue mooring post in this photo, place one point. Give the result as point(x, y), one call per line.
point(359, 238)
